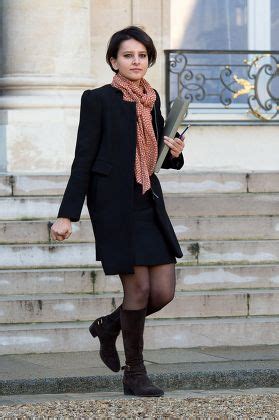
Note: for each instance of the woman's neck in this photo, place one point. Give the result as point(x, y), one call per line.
point(136, 82)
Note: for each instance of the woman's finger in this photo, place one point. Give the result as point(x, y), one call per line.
point(174, 154)
point(174, 142)
point(53, 234)
point(178, 140)
point(175, 146)
point(68, 234)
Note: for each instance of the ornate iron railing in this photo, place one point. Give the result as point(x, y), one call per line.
point(229, 87)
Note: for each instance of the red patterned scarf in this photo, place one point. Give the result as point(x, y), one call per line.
point(146, 147)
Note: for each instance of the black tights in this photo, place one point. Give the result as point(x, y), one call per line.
point(150, 286)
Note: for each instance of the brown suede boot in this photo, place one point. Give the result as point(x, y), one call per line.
point(107, 329)
point(135, 379)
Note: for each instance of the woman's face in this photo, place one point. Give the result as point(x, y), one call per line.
point(132, 60)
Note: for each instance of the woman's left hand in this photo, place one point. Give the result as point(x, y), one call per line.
point(176, 145)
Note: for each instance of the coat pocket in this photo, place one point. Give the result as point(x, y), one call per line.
point(101, 167)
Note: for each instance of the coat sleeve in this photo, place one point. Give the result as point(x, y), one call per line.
point(87, 143)
point(170, 162)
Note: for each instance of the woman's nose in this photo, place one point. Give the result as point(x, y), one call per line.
point(136, 59)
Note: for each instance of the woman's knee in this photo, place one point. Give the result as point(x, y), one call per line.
point(161, 299)
point(170, 296)
point(137, 287)
point(142, 291)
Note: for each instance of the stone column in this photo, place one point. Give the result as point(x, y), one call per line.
point(110, 16)
point(107, 17)
point(154, 17)
point(45, 66)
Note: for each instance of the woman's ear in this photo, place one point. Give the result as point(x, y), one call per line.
point(114, 63)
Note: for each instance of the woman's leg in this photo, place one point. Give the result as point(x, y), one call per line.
point(136, 288)
point(107, 328)
point(132, 317)
point(152, 286)
point(162, 286)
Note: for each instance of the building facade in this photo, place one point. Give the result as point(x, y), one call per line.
point(51, 51)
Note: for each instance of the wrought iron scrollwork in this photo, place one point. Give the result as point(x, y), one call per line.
point(251, 83)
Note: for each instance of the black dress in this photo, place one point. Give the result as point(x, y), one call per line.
point(151, 248)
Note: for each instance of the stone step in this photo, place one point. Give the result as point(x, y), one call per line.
point(158, 333)
point(31, 208)
point(187, 228)
point(83, 254)
point(55, 308)
point(245, 204)
point(229, 252)
point(5, 185)
point(83, 307)
point(34, 208)
point(88, 280)
point(226, 227)
point(39, 184)
point(172, 181)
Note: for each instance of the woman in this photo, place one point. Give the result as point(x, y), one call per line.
point(116, 151)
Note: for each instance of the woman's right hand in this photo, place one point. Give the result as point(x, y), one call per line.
point(61, 229)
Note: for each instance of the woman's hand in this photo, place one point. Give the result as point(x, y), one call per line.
point(61, 229)
point(176, 145)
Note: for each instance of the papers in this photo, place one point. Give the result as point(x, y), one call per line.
point(176, 115)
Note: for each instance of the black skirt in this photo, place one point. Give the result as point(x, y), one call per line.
point(151, 247)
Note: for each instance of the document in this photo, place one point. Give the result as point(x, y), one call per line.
point(176, 115)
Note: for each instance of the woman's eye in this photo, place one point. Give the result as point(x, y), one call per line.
point(130, 55)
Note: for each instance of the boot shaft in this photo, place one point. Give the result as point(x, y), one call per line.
point(132, 326)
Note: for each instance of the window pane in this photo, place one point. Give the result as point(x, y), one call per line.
point(209, 24)
point(274, 25)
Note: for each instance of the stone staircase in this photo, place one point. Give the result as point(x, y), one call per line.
point(227, 280)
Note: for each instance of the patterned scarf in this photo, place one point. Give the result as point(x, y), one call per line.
point(146, 147)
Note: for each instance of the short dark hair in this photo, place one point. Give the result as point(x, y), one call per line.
point(131, 32)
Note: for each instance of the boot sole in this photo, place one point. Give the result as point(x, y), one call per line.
point(128, 391)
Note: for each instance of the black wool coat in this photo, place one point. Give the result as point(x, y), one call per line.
point(103, 171)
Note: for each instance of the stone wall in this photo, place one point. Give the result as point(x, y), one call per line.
point(52, 51)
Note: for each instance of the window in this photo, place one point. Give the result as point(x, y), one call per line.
point(233, 86)
point(209, 24)
point(274, 25)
